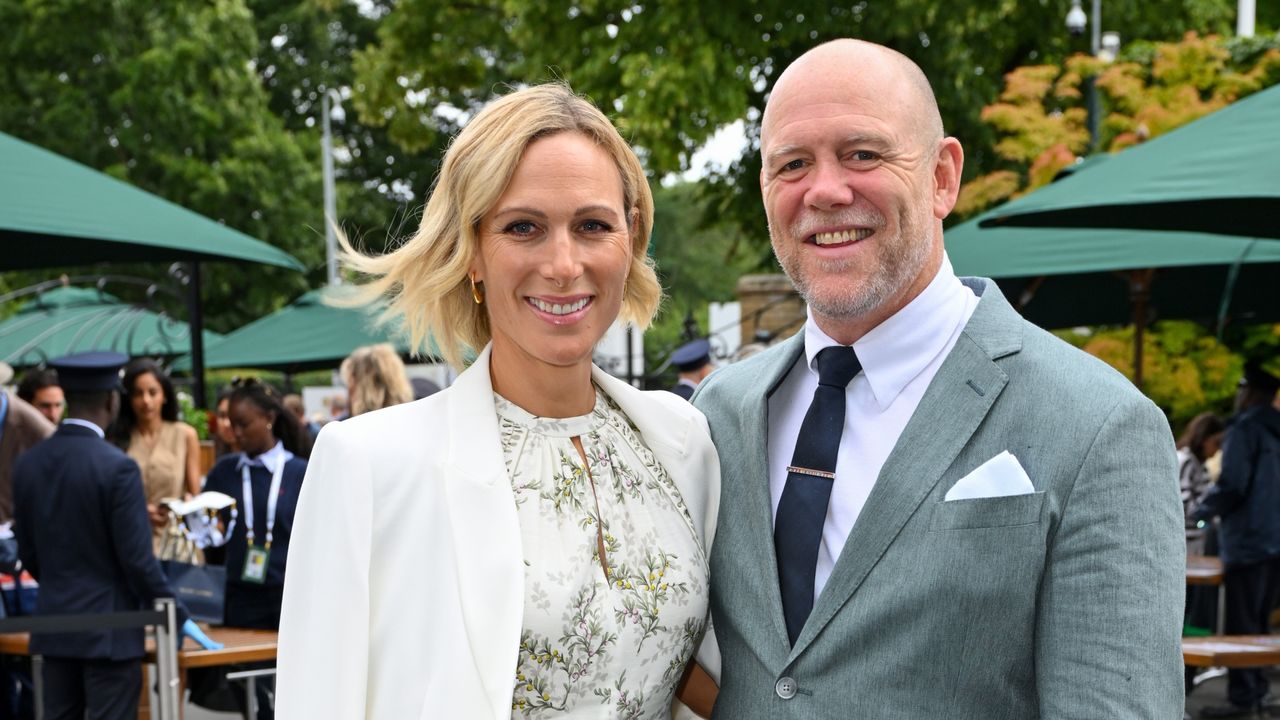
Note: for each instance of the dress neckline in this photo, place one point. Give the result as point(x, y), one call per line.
point(554, 427)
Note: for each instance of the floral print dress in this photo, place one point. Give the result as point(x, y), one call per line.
point(593, 645)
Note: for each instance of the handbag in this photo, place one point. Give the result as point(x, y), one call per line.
point(201, 588)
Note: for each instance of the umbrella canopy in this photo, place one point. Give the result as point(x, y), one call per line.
point(71, 320)
point(1219, 174)
point(54, 211)
point(305, 335)
point(1062, 277)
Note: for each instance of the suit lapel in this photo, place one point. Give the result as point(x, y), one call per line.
point(959, 397)
point(486, 534)
point(756, 505)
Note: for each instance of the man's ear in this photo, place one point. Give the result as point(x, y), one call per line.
point(946, 176)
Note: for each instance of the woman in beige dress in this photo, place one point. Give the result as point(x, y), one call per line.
point(166, 449)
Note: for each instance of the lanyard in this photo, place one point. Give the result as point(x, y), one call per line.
point(273, 495)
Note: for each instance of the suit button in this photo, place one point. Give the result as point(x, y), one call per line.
point(786, 688)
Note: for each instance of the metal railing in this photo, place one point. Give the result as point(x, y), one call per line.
point(165, 619)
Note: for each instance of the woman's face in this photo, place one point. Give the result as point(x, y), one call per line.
point(146, 397)
point(554, 255)
point(225, 433)
point(252, 427)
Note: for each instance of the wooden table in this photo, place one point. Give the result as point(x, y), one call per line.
point(239, 646)
point(1202, 570)
point(1231, 651)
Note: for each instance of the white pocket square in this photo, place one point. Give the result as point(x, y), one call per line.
point(1000, 476)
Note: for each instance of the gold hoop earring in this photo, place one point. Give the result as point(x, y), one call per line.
point(476, 293)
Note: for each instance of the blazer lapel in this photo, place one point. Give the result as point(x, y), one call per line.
point(757, 502)
point(666, 434)
point(959, 397)
point(486, 534)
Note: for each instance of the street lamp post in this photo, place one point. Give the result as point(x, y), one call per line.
point(1101, 45)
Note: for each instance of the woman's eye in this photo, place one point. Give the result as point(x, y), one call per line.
point(520, 227)
point(593, 226)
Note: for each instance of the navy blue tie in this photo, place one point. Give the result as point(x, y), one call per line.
point(802, 510)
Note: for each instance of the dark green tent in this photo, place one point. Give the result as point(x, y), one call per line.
point(70, 320)
point(1063, 277)
point(54, 212)
point(305, 335)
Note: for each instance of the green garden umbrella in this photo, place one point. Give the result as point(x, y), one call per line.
point(71, 320)
point(1063, 277)
point(54, 212)
point(1219, 174)
point(305, 335)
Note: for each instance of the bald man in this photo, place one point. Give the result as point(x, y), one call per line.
point(940, 510)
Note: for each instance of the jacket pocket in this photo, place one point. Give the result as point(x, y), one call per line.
point(993, 512)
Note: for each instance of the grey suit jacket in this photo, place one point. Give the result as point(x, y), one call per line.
point(1065, 603)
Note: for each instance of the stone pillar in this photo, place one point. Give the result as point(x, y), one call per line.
point(770, 305)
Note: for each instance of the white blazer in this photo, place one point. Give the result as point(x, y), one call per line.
point(405, 586)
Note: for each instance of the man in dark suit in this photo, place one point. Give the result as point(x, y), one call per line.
point(80, 519)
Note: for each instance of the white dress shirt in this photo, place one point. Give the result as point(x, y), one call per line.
point(271, 459)
point(899, 359)
point(85, 423)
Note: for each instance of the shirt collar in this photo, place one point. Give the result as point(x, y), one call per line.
point(85, 423)
point(271, 459)
point(897, 350)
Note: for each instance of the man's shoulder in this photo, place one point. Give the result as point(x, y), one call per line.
point(1059, 365)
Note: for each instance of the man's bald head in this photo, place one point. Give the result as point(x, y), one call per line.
point(841, 67)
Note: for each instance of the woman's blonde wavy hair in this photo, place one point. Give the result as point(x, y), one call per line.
point(425, 279)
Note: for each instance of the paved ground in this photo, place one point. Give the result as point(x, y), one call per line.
point(1214, 692)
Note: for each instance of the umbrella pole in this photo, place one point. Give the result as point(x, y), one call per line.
point(197, 336)
point(1139, 294)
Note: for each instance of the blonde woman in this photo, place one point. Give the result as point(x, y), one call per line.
point(375, 379)
point(533, 540)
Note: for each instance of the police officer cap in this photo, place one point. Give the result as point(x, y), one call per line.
point(692, 355)
point(90, 371)
point(1256, 377)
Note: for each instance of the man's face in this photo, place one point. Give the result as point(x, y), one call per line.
point(50, 402)
point(849, 189)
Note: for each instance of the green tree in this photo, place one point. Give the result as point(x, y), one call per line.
point(672, 73)
point(697, 264)
point(166, 97)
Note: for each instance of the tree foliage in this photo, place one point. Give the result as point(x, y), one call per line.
point(672, 73)
point(1041, 120)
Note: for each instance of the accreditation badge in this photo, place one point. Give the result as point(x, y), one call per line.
point(255, 565)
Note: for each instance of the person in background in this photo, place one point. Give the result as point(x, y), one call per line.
point(224, 438)
point(264, 478)
point(1199, 441)
point(375, 379)
point(40, 388)
point(82, 530)
point(21, 428)
point(1245, 499)
point(165, 448)
point(693, 362)
point(293, 403)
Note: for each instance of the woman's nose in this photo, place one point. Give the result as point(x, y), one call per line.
point(562, 265)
